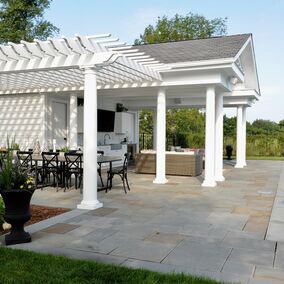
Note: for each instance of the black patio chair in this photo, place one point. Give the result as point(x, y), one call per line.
point(26, 160)
point(73, 166)
point(120, 171)
point(99, 169)
point(50, 165)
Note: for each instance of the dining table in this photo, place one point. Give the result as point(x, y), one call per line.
point(101, 159)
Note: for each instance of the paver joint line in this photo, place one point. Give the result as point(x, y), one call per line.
point(226, 260)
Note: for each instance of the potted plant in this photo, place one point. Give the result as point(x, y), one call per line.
point(63, 150)
point(16, 188)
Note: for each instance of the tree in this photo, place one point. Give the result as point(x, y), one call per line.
point(23, 20)
point(266, 126)
point(191, 26)
point(184, 126)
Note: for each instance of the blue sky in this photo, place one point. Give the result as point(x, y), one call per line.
point(126, 19)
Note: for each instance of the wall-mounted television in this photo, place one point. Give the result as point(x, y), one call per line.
point(105, 120)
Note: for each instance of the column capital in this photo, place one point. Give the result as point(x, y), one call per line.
point(90, 69)
point(162, 89)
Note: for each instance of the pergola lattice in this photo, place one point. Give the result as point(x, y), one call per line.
point(57, 64)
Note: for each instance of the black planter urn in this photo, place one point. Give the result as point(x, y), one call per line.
point(17, 213)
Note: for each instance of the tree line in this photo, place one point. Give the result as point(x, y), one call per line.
point(186, 128)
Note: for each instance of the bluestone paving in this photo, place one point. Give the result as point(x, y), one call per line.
point(217, 232)
point(253, 256)
point(199, 255)
point(240, 268)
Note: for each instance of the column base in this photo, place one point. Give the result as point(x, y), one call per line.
point(239, 166)
point(219, 178)
point(160, 180)
point(87, 205)
point(209, 183)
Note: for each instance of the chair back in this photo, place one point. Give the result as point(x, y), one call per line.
point(125, 162)
point(73, 161)
point(50, 161)
point(25, 158)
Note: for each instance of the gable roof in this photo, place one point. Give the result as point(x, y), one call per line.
point(195, 50)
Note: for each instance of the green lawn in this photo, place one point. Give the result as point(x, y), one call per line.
point(19, 266)
point(266, 158)
point(272, 158)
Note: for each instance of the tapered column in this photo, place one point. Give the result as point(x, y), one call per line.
point(90, 200)
point(219, 138)
point(161, 138)
point(209, 179)
point(155, 130)
point(241, 137)
point(73, 122)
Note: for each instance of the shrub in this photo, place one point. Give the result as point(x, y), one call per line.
point(2, 211)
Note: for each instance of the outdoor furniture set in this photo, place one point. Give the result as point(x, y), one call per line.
point(62, 167)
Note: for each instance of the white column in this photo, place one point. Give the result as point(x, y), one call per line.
point(137, 131)
point(161, 138)
point(219, 138)
point(244, 134)
point(241, 139)
point(73, 121)
point(209, 179)
point(155, 129)
point(90, 200)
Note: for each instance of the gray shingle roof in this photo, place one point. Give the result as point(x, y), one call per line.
point(195, 50)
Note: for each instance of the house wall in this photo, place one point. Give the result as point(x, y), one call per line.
point(103, 103)
point(22, 118)
point(106, 104)
point(28, 119)
point(49, 99)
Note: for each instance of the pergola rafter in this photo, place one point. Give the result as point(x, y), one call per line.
point(58, 64)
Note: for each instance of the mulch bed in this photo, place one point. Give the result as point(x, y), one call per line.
point(40, 213)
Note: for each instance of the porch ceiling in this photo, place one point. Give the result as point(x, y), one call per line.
point(58, 64)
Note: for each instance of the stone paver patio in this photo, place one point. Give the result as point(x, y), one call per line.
point(216, 232)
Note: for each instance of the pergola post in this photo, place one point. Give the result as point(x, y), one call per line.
point(219, 138)
point(137, 131)
point(209, 179)
point(73, 121)
point(161, 138)
point(155, 129)
point(90, 200)
point(241, 137)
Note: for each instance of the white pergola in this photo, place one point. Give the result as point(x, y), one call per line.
point(92, 63)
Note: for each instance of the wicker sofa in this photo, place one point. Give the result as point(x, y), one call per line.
point(177, 163)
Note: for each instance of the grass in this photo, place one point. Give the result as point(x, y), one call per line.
point(273, 158)
point(18, 266)
point(268, 158)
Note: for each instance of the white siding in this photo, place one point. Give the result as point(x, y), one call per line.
point(22, 118)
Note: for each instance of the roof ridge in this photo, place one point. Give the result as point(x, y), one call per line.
point(194, 39)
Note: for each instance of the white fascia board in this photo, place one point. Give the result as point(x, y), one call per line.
point(195, 79)
point(242, 49)
point(201, 63)
point(252, 94)
point(197, 68)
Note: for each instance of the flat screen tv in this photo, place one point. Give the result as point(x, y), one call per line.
point(105, 120)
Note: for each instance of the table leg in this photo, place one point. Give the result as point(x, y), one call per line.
point(36, 172)
point(110, 170)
